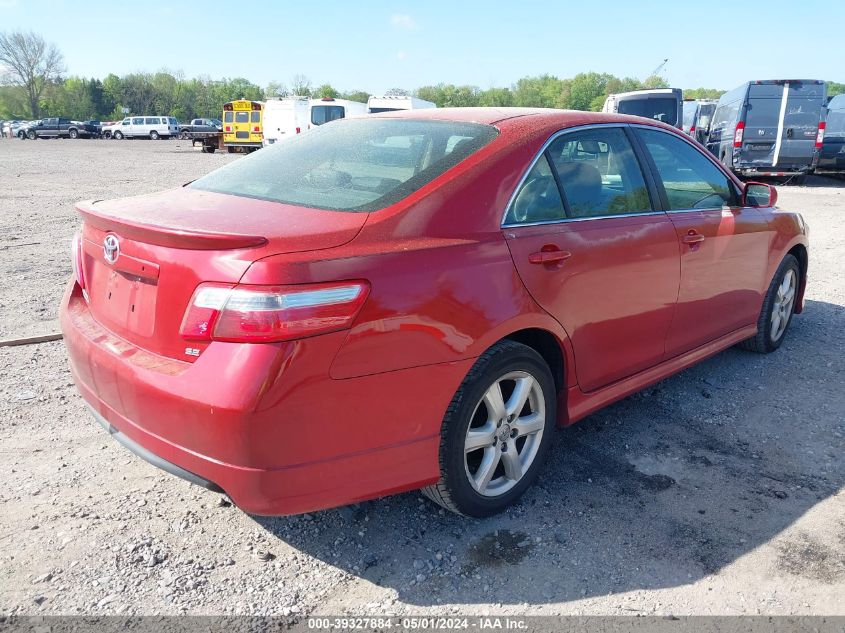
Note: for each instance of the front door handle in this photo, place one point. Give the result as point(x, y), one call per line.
point(549, 255)
point(693, 237)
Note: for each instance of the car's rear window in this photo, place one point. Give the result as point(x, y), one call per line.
point(351, 165)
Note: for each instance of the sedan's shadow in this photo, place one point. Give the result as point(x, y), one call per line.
point(658, 490)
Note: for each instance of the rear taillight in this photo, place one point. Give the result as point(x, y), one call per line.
point(256, 129)
point(740, 128)
point(76, 260)
point(820, 135)
point(260, 314)
point(228, 128)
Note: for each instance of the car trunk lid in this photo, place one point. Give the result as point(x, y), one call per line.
point(143, 257)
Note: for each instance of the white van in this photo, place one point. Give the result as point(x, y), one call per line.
point(285, 117)
point(153, 127)
point(660, 104)
point(391, 103)
point(328, 109)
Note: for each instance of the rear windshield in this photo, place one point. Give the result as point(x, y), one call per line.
point(324, 114)
point(357, 165)
point(665, 110)
point(835, 124)
point(377, 110)
point(798, 113)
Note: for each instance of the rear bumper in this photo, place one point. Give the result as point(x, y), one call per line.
point(265, 423)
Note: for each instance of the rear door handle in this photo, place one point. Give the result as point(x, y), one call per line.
point(693, 237)
point(548, 256)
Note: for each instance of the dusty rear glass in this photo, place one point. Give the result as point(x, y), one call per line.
point(351, 165)
point(659, 109)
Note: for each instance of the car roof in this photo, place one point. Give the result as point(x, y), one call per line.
point(526, 118)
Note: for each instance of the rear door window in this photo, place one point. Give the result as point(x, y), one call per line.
point(599, 173)
point(227, 116)
point(538, 199)
point(689, 179)
point(241, 117)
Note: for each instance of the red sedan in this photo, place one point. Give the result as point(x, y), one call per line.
point(414, 300)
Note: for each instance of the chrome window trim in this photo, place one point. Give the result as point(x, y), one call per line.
point(533, 163)
point(592, 217)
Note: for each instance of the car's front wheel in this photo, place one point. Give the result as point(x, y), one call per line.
point(778, 308)
point(496, 431)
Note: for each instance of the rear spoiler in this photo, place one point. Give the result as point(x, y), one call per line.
point(162, 235)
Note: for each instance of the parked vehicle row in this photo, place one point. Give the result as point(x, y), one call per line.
point(763, 128)
point(152, 127)
point(289, 116)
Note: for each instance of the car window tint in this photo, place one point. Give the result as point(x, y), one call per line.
point(354, 165)
point(599, 173)
point(690, 179)
point(538, 199)
point(152, 120)
point(138, 121)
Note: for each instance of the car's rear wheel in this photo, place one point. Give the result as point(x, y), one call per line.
point(118, 135)
point(154, 135)
point(31, 135)
point(778, 308)
point(496, 432)
point(73, 134)
point(184, 136)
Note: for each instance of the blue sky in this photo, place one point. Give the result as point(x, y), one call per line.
point(376, 45)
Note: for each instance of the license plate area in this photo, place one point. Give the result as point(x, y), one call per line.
point(124, 300)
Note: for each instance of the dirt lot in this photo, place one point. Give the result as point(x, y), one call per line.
point(718, 491)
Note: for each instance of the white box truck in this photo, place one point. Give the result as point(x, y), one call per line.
point(391, 103)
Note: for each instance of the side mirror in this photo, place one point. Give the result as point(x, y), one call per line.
point(757, 194)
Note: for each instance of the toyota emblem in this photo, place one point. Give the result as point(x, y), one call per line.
point(111, 249)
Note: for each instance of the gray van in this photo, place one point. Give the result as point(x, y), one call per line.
point(659, 104)
point(697, 116)
point(769, 128)
point(832, 157)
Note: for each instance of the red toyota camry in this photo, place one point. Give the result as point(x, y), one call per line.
point(414, 300)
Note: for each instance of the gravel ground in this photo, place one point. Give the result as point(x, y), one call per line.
point(717, 491)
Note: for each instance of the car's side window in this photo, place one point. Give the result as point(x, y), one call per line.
point(538, 199)
point(599, 173)
point(689, 178)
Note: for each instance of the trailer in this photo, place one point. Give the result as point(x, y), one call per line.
point(210, 141)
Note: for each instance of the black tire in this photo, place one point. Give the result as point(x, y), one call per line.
point(184, 136)
point(230, 149)
point(765, 341)
point(454, 491)
point(118, 135)
point(72, 133)
point(154, 135)
point(31, 135)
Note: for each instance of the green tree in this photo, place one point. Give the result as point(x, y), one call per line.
point(496, 97)
point(31, 63)
point(538, 92)
point(325, 90)
point(356, 95)
point(834, 88)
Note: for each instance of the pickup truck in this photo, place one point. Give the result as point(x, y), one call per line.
point(59, 127)
point(187, 130)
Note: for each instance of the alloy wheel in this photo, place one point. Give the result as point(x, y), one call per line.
point(504, 434)
point(783, 304)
